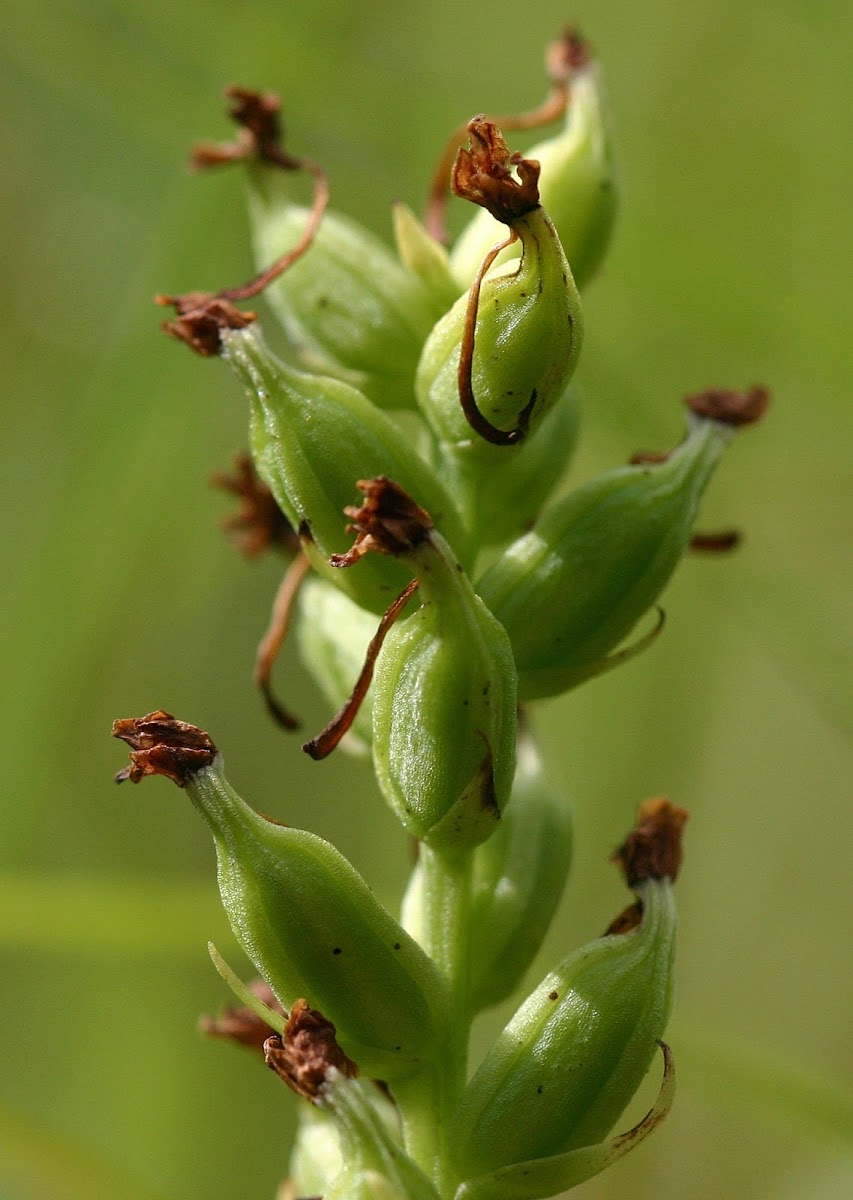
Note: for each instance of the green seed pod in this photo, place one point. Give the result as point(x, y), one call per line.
point(576, 184)
point(312, 438)
point(569, 591)
point(333, 635)
point(498, 361)
point(517, 881)
point(569, 1061)
point(301, 912)
point(349, 306)
point(444, 707)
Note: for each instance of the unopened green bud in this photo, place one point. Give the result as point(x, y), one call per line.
point(444, 707)
point(497, 362)
point(301, 912)
point(334, 634)
point(424, 255)
point(517, 880)
point(572, 1057)
point(312, 438)
point(573, 588)
point(349, 306)
point(576, 183)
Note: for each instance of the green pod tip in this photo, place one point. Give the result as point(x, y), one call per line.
point(569, 591)
point(301, 912)
point(498, 361)
point(571, 1058)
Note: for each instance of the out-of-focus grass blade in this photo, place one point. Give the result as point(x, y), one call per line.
point(40, 1164)
point(93, 915)
point(764, 1082)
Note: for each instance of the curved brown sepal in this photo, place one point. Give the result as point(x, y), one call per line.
point(162, 745)
point(652, 850)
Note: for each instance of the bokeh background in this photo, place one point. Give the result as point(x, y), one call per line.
point(731, 265)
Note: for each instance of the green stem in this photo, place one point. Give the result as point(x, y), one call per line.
point(428, 1098)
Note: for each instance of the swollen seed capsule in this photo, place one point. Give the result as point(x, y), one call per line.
point(569, 591)
point(517, 880)
point(301, 912)
point(349, 306)
point(497, 362)
point(312, 437)
point(444, 707)
point(576, 183)
point(569, 1061)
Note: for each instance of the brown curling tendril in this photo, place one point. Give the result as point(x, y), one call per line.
point(563, 57)
point(327, 739)
point(272, 641)
point(464, 377)
point(201, 316)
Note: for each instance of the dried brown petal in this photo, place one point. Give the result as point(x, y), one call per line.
point(388, 522)
point(258, 524)
point(162, 745)
point(730, 407)
point(201, 319)
point(719, 542)
point(307, 1052)
point(484, 175)
point(567, 54)
point(652, 850)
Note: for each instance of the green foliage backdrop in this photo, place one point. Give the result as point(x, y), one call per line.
point(731, 265)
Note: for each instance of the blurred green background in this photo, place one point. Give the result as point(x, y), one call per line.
point(731, 265)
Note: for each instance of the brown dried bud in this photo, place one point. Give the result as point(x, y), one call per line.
point(258, 524)
point(161, 745)
point(388, 522)
point(201, 319)
point(567, 54)
point(307, 1052)
point(730, 407)
point(652, 850)
point(483, 174)
point(259, 115)
point(243, 1025)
